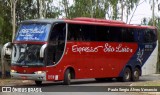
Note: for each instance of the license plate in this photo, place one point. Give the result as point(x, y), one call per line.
point(24, 77)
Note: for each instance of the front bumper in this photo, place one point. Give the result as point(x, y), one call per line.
point(38, 77)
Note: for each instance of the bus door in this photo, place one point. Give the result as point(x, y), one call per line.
point(56, 45)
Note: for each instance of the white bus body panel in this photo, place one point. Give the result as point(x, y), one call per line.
point(150, 65)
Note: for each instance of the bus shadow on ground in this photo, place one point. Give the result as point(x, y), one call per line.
point(79, 82)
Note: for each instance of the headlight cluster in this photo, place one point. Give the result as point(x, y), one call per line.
point(13, 71)
point(39, 72)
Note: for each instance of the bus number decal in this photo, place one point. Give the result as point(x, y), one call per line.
point(50, 76)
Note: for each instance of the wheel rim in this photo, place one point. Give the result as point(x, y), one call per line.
point(69, 76)
point(136, 74)
point(127, 75)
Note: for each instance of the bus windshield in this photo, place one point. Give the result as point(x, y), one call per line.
point(33, 32)
point(27, 55)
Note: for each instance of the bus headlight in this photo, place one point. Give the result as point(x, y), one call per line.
point(13, 71)
point(39, 72)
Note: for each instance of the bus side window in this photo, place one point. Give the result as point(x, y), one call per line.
point(73, 32)
point(140, 35)
point(102, 33)
point(128, 35)
point(149, 36)
point(88, 33)
point(115, 34)
point(136, 35)
point(77, 32)
point(80, 33)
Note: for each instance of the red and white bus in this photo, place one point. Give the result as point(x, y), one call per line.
point(65, 49)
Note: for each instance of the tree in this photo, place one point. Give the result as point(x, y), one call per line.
point(114, 7)
point(65, 4)
point(137, 4)
point(85, 8)
point(153, 4)
point(1, 24)
point(5, 28)
point(12, 4)
point(127, 6)
point(6, 23)
point(30, 9)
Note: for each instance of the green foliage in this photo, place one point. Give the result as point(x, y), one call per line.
point(159, 46)
point(114, 6)
point(29, 9)
point(1, 23)
point(5, 22)
point(85, 8)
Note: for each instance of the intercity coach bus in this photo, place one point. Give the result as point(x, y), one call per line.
point(66, 49)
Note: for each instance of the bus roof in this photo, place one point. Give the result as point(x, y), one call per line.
point(103, 22)
point(89, 21)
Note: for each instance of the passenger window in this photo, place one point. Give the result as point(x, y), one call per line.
point(77, 32)
point(128, 35)
point(149, 36)
point(102, 33)
point(115, 34)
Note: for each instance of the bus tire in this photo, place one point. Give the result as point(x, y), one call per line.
point(135, 74)
point(127, 75)
point(38, 82)
point(67, 77)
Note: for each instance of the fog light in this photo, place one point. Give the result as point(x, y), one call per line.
point(39, 72)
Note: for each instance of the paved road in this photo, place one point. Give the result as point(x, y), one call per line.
point(92, 82)
point(80, 85)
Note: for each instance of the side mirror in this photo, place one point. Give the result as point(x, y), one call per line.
point(6, 50)
point(42, 50)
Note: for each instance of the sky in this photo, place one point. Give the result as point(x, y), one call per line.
point(144, 10)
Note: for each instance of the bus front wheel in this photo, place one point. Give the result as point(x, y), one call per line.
point(136, 74)
point(38, 82)
point(67, 77)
